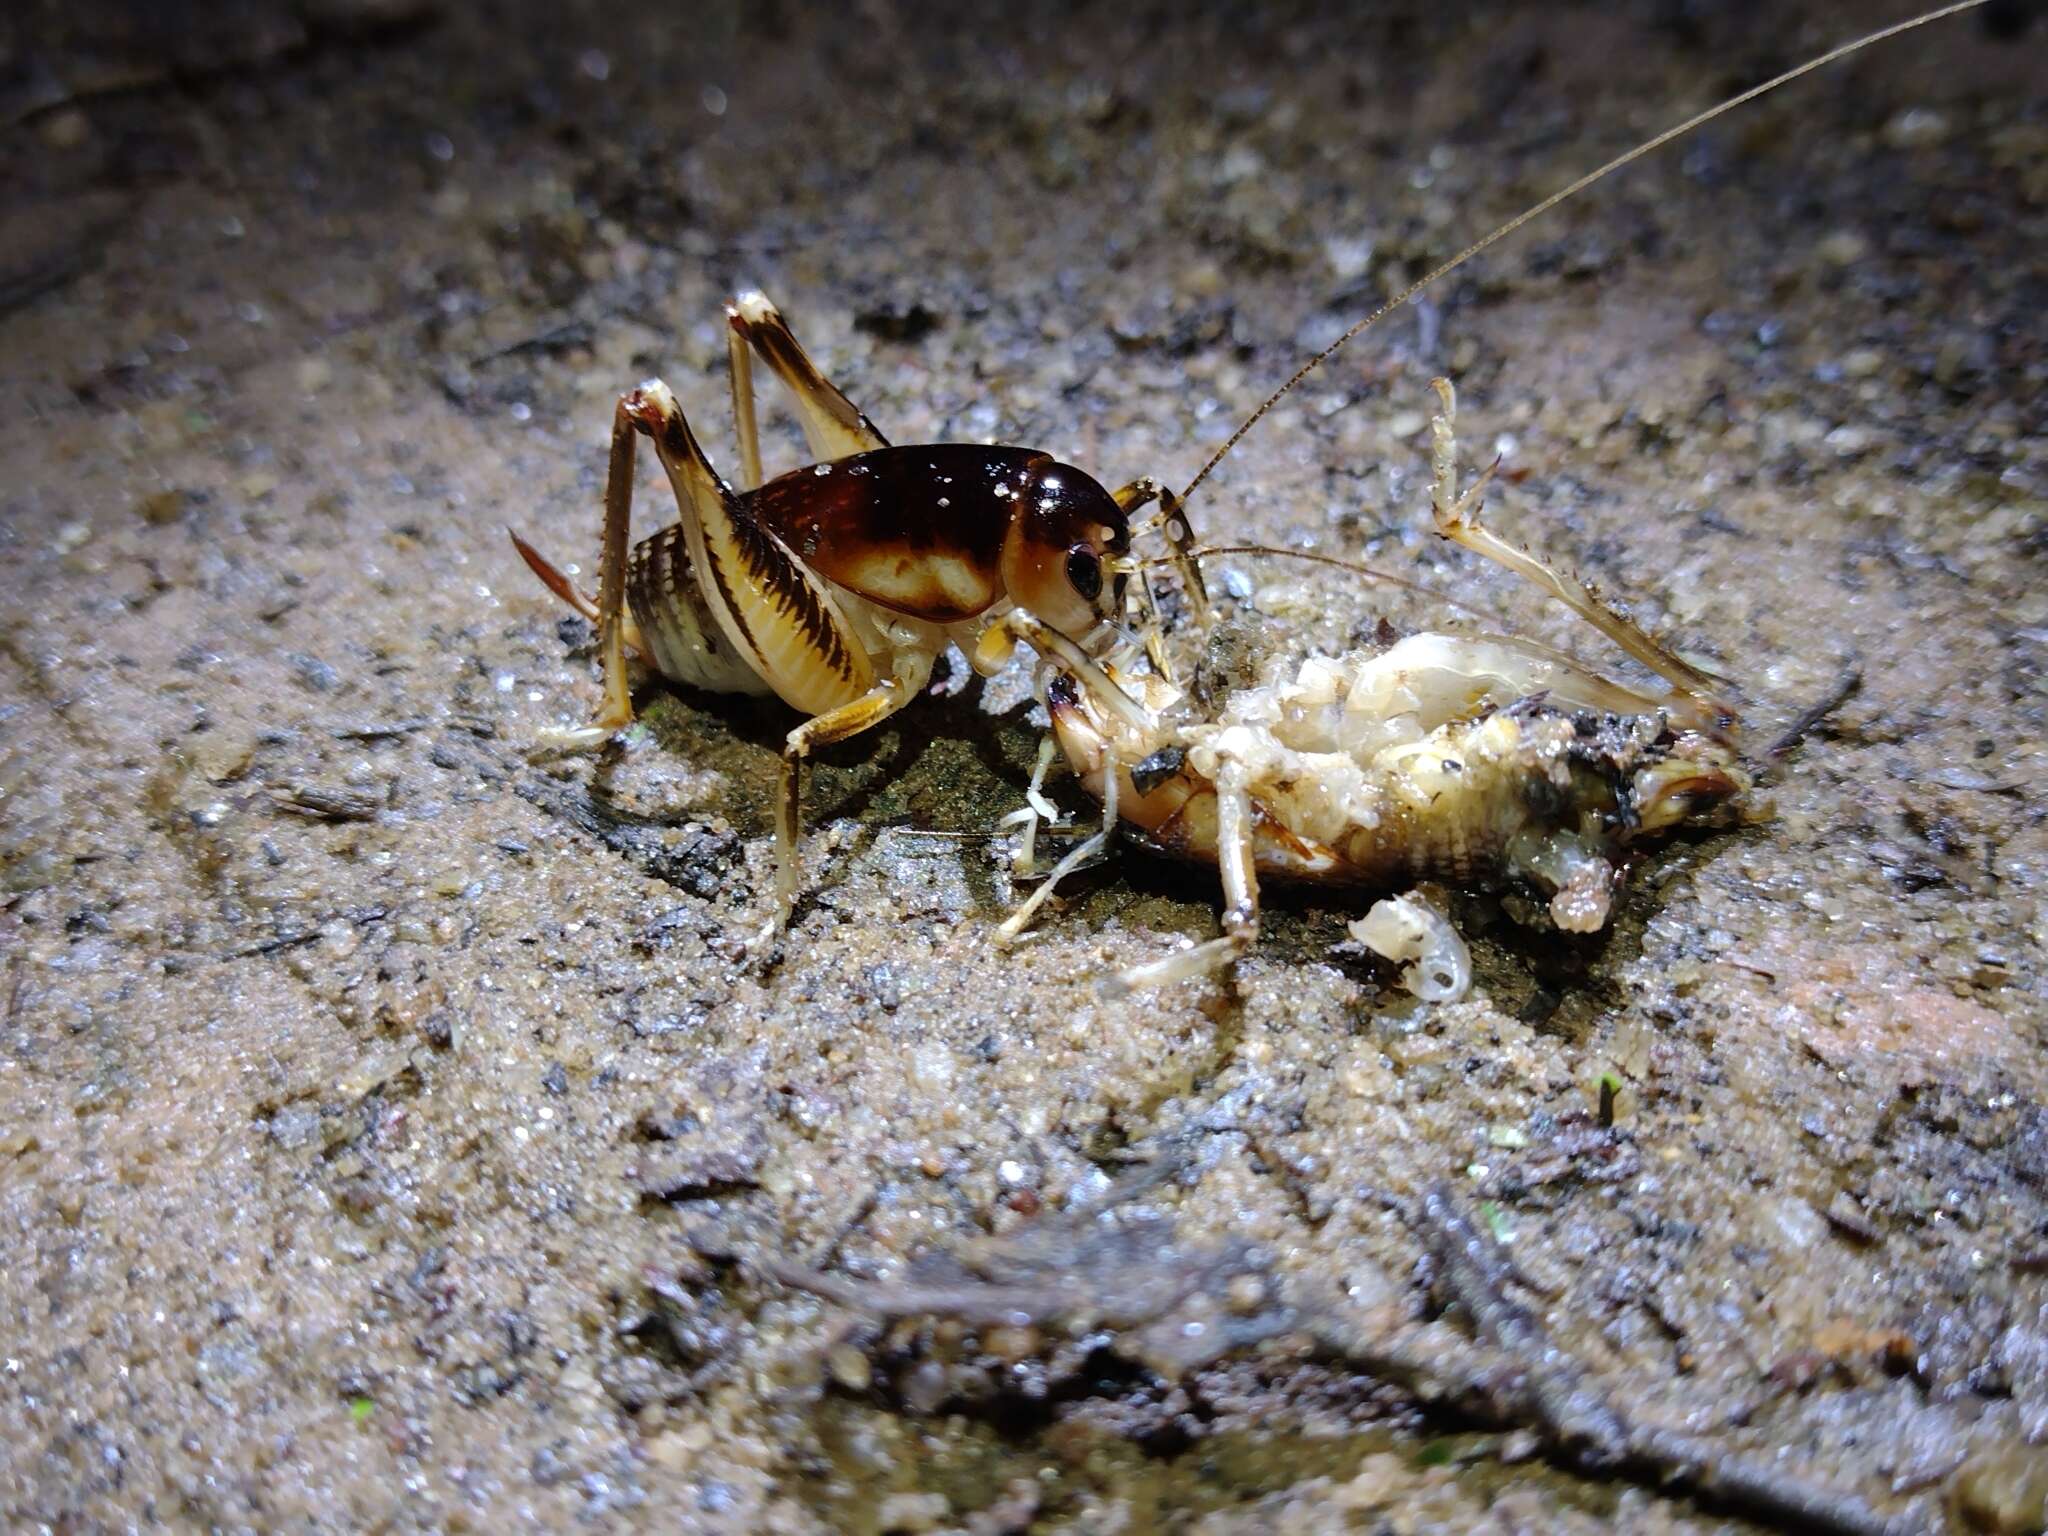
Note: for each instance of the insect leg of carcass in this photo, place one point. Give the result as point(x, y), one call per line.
point(1035, 810)
point(833, 425)
point(1080, 854)
point(1457, 518)
point(1240, 895)
point(912, 670)
point(616, 713)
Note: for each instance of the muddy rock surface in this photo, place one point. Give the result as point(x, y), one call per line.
point(396, 1131)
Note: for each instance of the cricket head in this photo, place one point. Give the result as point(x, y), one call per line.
point(1064, 549)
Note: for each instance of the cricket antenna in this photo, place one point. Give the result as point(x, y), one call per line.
point(1647, 147)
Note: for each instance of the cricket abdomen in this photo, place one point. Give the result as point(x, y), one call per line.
point(677, 631)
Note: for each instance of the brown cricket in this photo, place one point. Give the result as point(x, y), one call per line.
point(835, 586)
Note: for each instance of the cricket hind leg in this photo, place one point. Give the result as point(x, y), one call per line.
point(1234, 857)
point(832, 424)
point(1457, 518)
point(780, 619)
point(609, 611)
point(740, 369)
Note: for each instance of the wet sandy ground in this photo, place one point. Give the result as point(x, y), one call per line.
point(393, 1133)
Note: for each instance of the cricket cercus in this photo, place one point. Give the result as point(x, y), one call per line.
point(1453, 756)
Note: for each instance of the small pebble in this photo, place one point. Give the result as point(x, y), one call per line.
point(1843, 248)
point(66, 129)
point(912, 1512)
point(932, 1066)
point(1916, 128)
point(850, 1368)
point(1246, 1293)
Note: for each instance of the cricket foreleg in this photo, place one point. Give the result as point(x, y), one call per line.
point(1130, 498)
point(1180, 543)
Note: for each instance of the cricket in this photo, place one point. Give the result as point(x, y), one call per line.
point(1474, 759)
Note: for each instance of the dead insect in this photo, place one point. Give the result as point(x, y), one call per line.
point(1467, 758)
point(1473, 759)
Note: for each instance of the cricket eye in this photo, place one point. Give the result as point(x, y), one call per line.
point(1084, 570)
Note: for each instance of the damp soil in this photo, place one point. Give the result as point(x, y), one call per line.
point(395, 1128)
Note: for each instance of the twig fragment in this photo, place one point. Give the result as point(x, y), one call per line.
point(1844, 689)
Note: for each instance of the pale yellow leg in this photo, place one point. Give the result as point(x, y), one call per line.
point(1240, 896)
point(1130, 498)
point(833, 425)
point(1180, 543)
point(1035, 810)
point(1076, 857)
point(1457, 518)
point(740, 365)
point(779, 615)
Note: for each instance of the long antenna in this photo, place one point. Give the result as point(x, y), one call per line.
point(1550, 202)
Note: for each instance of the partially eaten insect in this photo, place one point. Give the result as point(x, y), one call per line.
point(1475, 759)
